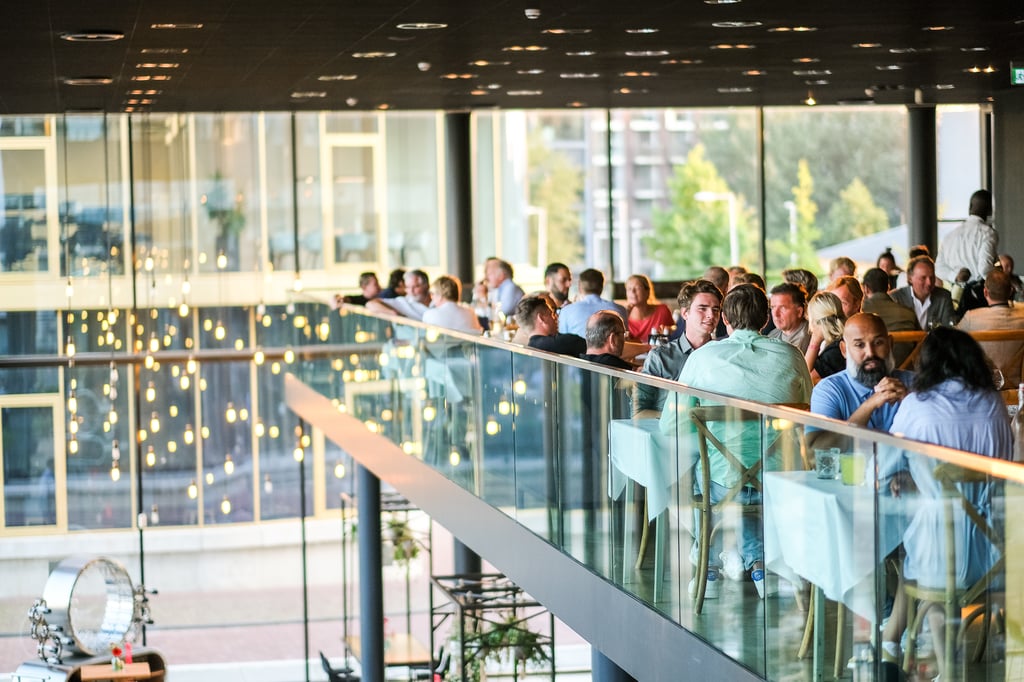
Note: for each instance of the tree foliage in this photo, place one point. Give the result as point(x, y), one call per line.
point(691, 235)
point(856, 214)
point(556, 187)
point(797, 250)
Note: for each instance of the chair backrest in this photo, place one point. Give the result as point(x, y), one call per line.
point(950, 476)
point(702, 416)
point(327, 667)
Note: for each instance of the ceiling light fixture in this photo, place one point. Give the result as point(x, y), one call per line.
point(308, 94)
point(642, 30)
point(731, 46)
point(804, 73)
point(753, 72)
point(92, 36)
point(865, 46)
point(581, 53)
point(982, 69)
point(736, 24)
point(532, 13)
point(888, 67)
point(721, 2)
point(524, 48)
point(578, 76)
point(638, 74)
point(944, 86)
point(144, 92)
point(158, 77)
point(681, 61)
point(735, 91)
point(646, 53)
point(631, 91)
point(806, 60)
point(810, 101)
point(980, 48)
point(524, 93)
point(937, 28)
point(566, 31)
point(530, 72)
point(485, 62)
point(576, 105)
point(157, 65)
point(88, 80)
point(373, 55)
point(820, 81)
point(337, 77)
point(172, 27)
point(794, 29)
point(422, 26)
point(164, 50)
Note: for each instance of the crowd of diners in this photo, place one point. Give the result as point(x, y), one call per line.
point(824, 344)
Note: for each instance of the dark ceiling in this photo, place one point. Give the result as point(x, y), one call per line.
point(249, 55)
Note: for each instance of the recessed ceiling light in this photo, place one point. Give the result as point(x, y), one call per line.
point(631, 91)
point(576, 105)
point(794, 29)
point(909, 50)
point(581, 53)
point(736, 24)
point(979, 48)
point(384, 106)
point(88, 80)
point(524, 93)
point(646, 53)
point(157, 77)
point(753, 72)
point(139, 101)
point(731, 46)
point(888, 67)
point(812, 72)
point(806, 60)
point(164, 50)
point(530, 72)
point(129, 110)
point(982, 69)
point(524, 48)
point(421, 26)
point(642, 30)
point(734, 91)
point(865, 46)
point(157, 65)
point(485, 62)
point(820, 81)
point(309, 94)
point(566, 31)
point(373, 55)
point(573, 76)
point(458, 76)
point(638, 74)
point(681, 61)
point(944, 86)
point(92, 36)
point(721, 2)
point(172, 27)
point(937, 28)
point(490, 86)
point(478, 92)
point(144, 92)
point(337, 77)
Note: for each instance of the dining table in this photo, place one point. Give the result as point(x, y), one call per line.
point(834, 536)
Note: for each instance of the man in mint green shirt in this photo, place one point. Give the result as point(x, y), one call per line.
point(749, 366)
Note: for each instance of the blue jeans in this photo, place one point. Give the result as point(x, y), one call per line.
point(750, 540)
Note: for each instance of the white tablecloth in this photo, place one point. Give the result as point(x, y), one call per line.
point(639, 452)
point(824, 532)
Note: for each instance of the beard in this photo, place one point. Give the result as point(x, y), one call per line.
point(871, 371)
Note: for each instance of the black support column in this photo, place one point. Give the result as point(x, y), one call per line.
point(459, 198)
point(921, 167)
point(371, 585)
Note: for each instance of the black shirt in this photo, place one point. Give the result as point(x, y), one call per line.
point(566, 344)
point(607, 359)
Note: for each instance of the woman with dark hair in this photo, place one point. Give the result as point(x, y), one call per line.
point(954, 403)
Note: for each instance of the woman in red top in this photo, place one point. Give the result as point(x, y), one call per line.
point(645, 313)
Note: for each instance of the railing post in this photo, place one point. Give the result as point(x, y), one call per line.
point(371, 588)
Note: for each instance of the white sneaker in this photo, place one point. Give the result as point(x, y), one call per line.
point(713, 589)
point(732, 565)
point(766, 585)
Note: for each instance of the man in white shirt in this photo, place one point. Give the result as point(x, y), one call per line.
point(445, 309)
point(970, 245)
point(413, 304)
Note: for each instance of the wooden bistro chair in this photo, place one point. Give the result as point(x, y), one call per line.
point(962, 606)
point(701, 416)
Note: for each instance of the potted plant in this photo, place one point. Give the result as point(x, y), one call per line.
point(404, 545)
point(224, 207)
point(506, 640)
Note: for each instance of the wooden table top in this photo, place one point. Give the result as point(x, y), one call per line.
point(105, 671)
point(400, 649)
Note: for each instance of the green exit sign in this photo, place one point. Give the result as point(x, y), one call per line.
point(1016, 73)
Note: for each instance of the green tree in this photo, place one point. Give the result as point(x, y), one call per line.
point(799, 250)
point(556, 187)
point(856, 214)
point(692, 234)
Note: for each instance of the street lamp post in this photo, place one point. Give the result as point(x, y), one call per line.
point(734, 241)
point(791, 207)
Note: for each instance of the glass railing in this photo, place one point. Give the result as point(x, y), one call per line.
point(808, 546)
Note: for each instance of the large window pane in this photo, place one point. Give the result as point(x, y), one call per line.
point(23, 237)
point(30, 497)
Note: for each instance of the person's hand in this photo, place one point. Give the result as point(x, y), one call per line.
point(890, 390)
point(901, 483)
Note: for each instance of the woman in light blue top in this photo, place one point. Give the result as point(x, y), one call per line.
point(954, 403)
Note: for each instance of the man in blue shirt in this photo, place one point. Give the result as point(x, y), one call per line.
point(572, 319)
point(501, 290)
point(869, 392)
